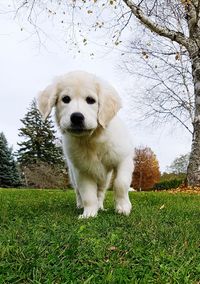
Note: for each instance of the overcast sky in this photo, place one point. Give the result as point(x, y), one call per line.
point(25, 69)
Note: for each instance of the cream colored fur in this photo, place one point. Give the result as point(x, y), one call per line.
point(102, 149)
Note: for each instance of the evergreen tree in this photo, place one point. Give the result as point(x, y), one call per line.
point(39, 143)
point(9, 175)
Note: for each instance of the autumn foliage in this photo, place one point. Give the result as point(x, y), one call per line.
point(146, 172)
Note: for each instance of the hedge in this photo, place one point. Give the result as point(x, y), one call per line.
point(168, 184)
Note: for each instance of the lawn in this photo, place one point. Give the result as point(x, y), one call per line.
point(42, 240)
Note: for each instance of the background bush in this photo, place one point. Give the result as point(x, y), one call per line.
point(168, 184)
point(43, 175)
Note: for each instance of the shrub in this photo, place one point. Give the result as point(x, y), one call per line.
point(43, 175)
point(168, 184)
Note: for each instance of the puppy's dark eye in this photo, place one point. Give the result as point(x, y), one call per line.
point(90, 100)
point(66, 99)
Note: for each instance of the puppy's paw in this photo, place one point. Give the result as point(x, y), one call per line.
point(89, 212)
point(101, 207)
point(79, 205)
point(123, 207)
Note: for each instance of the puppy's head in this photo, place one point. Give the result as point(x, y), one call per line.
point(82, 102)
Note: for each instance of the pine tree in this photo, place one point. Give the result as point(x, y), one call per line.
point(9, 175)
point(39, 144)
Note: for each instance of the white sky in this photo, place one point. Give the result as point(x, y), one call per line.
point(24, 70)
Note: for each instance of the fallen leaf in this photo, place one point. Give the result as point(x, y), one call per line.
point(113, 248)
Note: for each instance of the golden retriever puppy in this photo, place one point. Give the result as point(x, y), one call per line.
point(95, 141)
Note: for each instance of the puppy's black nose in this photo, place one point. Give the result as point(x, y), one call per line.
point(77, 118)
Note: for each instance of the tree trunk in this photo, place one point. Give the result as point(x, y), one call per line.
point(193, 172)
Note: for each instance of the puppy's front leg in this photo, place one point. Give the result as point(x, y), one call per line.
point(102, 190)
point(73, 178)
point(88, 191)
point(121, 185)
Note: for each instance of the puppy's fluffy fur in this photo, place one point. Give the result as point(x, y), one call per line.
point(99, 147)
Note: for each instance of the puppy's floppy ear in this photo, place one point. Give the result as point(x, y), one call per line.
point(47, 100)
point(109, 103)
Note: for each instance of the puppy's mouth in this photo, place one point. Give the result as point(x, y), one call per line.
point(79, 131)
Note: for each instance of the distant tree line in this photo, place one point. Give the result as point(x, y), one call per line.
point(147, 176)
point(39, 161)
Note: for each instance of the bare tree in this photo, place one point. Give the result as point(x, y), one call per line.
point(179, 165)
point(167, 91)
point(176, 20)
point(157, 17)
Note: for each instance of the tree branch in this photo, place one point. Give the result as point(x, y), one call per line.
point(156, 28)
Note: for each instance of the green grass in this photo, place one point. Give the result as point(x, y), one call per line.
point(42, 241)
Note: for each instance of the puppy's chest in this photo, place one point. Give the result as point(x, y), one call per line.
point(96, 161)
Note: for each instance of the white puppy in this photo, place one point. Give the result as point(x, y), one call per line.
point(95, 141)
